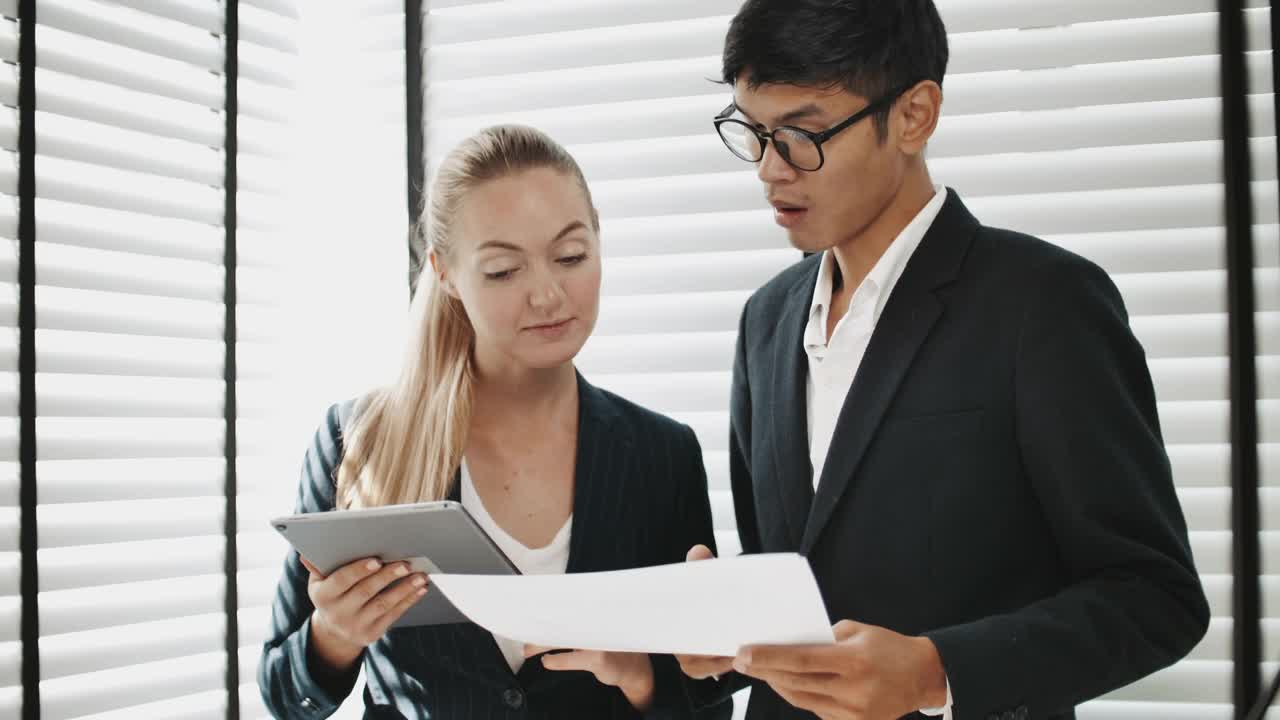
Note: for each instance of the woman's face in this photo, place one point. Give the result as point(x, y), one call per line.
point(526, 265)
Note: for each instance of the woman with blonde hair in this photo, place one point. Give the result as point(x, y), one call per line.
point(489, 410)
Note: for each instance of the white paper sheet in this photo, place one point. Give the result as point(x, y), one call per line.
point(709, 607)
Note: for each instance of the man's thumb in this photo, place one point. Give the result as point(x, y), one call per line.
point(699, 552)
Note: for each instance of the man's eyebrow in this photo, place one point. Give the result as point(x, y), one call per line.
point(801, 113)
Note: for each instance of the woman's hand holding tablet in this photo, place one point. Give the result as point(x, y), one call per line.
point(355, 605)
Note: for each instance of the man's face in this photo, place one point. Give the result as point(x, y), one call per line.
point(859, 176)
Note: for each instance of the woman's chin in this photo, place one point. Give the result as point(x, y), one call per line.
point(551, 355)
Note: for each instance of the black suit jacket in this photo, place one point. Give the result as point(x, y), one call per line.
point(640, 499)
point(997, 479)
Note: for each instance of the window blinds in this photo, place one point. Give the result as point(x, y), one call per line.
point(1092, 123)
point(129, 356)
point(269, 147)
point(10, 572)
point(322, 189)
point(1268, 371)
point(130, 430)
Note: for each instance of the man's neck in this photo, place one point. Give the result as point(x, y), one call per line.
point(856, 256)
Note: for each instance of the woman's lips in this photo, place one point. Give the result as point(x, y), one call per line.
point(551, 331)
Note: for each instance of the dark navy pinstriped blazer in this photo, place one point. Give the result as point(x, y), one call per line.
point(640, 499)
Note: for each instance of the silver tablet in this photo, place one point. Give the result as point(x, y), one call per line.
point(432, 537)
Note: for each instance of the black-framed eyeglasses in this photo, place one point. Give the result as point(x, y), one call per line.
point(802, 149)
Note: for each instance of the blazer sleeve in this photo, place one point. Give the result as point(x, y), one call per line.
point(1090, 442)
point(744, 507)
point(674, 692)
point(290, 687)
point(712, 693)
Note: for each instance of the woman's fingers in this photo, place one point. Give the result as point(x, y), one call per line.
point(586, 660)
point(402, 597)
point(331, 589)
point(699, 667)
point(368, 591)
point(316, 575)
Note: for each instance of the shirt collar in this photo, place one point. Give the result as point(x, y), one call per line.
point(882, 278)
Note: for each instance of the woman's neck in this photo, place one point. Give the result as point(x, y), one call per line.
point(527, 398)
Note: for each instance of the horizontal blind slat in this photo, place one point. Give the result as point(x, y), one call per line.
point(128, 479)
point(203, 15)
point(120, 107)
point(70, 525)
point(469, 23)
point(117, 230)
point(68, 611)
point(78, 695)
point(605, 78)
point(207, 705)
point(124, 26)
point(106, 354)
point(63, 656)
point(106, 62)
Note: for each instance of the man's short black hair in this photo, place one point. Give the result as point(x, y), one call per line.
point(868, 47)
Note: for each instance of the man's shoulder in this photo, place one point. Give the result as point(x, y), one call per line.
point(796, 279)
point(1026, 275)
point(1006, 255)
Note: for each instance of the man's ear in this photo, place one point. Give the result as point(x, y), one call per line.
point(442, 274)
point(915, 116)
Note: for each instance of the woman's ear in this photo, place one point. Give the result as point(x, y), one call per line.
point(442, 274)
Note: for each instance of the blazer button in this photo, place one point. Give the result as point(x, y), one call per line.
point(513, 698)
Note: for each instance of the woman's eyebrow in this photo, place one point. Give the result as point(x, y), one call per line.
point(499, 245)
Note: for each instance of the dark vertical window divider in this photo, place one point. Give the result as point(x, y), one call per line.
point(231, 37)
point(416, 141)
point(1245, 551)
point(27, 496)
point(1275, 65)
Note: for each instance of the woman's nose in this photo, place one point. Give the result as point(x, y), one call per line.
point(547, 294)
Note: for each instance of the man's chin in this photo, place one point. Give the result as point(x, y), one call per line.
point(806, 242)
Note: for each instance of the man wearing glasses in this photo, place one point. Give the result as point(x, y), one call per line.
point(954, 423)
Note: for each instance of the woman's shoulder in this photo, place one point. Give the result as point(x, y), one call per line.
point(639, 421)
point(337, 419)
point(327, 443)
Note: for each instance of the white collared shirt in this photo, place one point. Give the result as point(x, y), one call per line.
point(551, 559)
point(834, 361)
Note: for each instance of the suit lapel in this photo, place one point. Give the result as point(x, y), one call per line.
point(597, 443)
point(909, 315)
point(793, 472)
point(593, 506)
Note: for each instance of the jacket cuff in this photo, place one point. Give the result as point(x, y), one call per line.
point(676, 695)
point(982, 661)
point(314, 700)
